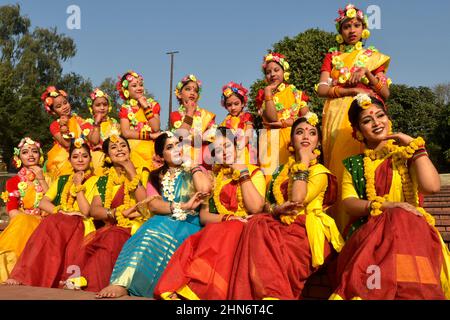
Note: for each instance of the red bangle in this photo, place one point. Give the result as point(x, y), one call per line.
point(226, 217)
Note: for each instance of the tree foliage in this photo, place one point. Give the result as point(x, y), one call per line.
point(29, 61)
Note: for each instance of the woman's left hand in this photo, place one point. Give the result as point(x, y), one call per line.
point(356, 76)
point(400, 138)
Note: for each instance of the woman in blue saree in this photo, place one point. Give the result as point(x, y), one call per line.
point(145, 255)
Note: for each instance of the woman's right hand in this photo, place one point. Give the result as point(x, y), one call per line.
point(288, 208)
point(196, 200)
point(404, 205)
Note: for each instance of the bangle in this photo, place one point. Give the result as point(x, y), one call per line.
point(244, 178)
point(368, 206)
point(268, 98)
point(188, 120)
point(109, 214)
point(149, 113)
point(379, 86)
point(96, 124)
point(226, 217)
point(283, 123)
point(301, 175)
point(243, 171)
point(56, 209)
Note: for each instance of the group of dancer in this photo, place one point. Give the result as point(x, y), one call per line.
point(202, 212)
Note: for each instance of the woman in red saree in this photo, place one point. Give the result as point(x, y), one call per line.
point(393, 250)
point(56, 241)
point(201, 267)
point(278, 252)
point(115, 198)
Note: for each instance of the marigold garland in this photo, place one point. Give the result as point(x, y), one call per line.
point(240, 212)
point(399, 156)
point(129, 186)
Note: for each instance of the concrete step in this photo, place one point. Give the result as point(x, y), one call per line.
point(35, 293)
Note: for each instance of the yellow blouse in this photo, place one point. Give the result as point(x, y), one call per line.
point(89, 193)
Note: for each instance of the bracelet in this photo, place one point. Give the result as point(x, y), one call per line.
point(171, 207)
point(415, 145)
point(368, 206)
point(56, 209)
point(244, 178)
point(375, 206)
point(188, 120)
point(109, 214)
point(268, 98)
point(379, 85)
point(226, 217)
point(283, 123)
point(323, 83)
point(149, 113)
point(336, 91)
point(243, 171)
point(96, 124)
point(301, 176)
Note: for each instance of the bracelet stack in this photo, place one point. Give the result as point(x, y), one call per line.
point(188, 120)
point(244, 176)
point(299, 171)
point(196, 169)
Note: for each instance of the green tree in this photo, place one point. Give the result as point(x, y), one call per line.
point(30, 60)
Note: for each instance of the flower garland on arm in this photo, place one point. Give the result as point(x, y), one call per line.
point(129, 186)
point(221, 171)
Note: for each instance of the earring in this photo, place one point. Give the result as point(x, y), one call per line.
point(359, 136)
point(291, 149)
point(107, 159)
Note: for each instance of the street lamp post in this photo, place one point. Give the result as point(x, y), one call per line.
point(172, 53)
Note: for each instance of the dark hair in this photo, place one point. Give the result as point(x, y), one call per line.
point(234, 94)
point(355, 110)
point(160, 142)
point(84, 146)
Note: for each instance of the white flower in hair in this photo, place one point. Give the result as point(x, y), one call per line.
point(364, 100)
point(312, 118)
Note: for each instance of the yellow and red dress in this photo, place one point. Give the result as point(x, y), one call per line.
point(23, 193)
point(56, 241)
point(337, 141)
point(274, 143)
point(276, 255)
point(393, 255)
point(142, 151)
point(201, 267)
point(58, 163)
point(246, 152)
point(98, 254)
point(106, 127)
point(203, 120)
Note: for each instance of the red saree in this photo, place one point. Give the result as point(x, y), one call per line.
point(98, 254)
point(49, 251)
point(395, 255)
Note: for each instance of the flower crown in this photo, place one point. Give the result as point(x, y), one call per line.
point(311, 118)
point(278, 58)
point(351, 12)
point(364, 100)
point(234, 88)
point(185, 80)
point(97, 93)
point(24, 142)
point(48, 97)
point(79, 142)
point(122, 85)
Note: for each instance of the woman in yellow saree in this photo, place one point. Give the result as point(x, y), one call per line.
point(139, 119)
point(345, 72)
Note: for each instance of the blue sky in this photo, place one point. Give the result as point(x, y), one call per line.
point(222, 41)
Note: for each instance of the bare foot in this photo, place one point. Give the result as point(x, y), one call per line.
point(112, 291)
point(12, 282)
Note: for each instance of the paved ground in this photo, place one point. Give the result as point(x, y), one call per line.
point(35, 293)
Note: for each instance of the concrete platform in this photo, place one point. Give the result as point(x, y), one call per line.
point(36, 293)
